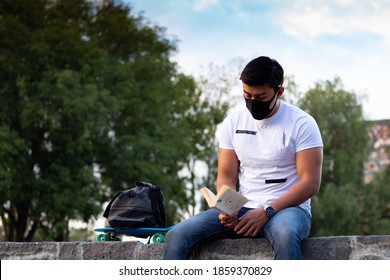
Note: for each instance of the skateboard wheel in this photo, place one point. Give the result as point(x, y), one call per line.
point(102, 237)
point(158, 238)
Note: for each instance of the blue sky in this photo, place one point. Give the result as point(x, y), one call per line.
point(313, 40)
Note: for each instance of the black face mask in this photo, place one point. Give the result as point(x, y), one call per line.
point(260, 109)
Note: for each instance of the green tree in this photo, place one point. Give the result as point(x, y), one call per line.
point(339, 113)
point(375, 201)
point(336, 211)
point(90, 103)
point(48, 103)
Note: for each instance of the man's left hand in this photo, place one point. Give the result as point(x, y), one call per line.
point(250, 224)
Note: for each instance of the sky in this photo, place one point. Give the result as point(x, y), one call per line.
point(313, 40)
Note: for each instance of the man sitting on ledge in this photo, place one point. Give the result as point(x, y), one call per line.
point(274, 150)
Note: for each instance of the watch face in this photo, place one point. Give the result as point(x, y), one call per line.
point(269, 211)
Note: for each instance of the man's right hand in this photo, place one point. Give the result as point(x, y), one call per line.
point(228, 220)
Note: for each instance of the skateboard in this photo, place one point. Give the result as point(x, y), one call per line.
point(156, 235)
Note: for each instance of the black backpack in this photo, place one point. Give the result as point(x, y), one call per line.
point(141, 206)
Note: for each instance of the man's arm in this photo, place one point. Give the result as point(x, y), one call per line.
point(228, 165)
point(309, 167)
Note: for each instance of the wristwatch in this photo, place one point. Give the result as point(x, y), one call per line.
point(269, 210)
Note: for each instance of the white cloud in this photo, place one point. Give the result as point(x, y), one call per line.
point(203, 4)
point(338, 18)
point(345, 2)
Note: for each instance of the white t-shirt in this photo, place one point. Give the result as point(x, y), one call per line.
point(266, 150)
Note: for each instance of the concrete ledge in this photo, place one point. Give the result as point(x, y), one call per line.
point(320, 248)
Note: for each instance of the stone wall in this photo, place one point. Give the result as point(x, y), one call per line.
point(320, 248)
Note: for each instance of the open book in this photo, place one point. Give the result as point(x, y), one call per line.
point(227, 201)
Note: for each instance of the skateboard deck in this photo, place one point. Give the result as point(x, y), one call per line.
point(156, 235)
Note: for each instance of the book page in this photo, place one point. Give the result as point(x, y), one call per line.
point(209, 196)
point(229, 200)
point(223, 189)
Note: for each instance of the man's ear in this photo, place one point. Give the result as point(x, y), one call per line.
point(280, 91)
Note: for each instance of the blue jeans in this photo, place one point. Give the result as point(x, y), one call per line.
point(285, 231)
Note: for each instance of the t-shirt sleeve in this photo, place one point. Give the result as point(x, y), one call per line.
point(308, 134)
point(224, 135)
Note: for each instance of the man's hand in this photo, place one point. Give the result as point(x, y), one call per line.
point(250, 224)
point(228, 220)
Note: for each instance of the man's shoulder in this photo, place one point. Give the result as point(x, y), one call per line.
point(237, 117)
point(295, 113)
point(237, 113)
point(293, 109)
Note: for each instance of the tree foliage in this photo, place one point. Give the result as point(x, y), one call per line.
point(375, 201)
point(90, 103)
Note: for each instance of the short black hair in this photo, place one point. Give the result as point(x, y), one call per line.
point(263, 71)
